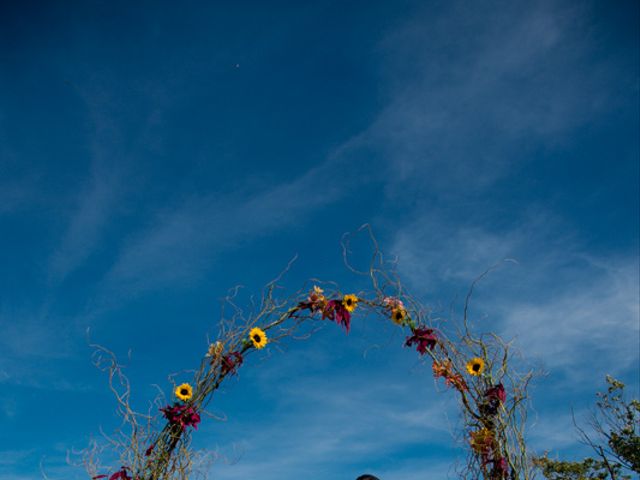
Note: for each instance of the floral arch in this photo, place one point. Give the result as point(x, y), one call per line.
point(474, 367)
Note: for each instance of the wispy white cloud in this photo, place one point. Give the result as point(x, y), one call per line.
point(593, 321)
point(562, 305)
point(450, 122)
point(480, 91)
point(186, 237)
point(99, 198)
point(91, 216)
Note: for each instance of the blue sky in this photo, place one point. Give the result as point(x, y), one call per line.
point(154, 155)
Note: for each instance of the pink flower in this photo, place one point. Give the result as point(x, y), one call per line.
point(392, 302)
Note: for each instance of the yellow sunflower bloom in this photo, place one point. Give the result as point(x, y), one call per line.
point(184, 392)
point(399, 316)
point(258, 338)
point(475, 366)
point(350, 302)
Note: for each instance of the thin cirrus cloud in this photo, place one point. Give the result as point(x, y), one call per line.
point(481, 92)
point(91, 215)
point(96, 201)
point(184, 236)
point(433, 119)
point(593, 322)
point(561, 304)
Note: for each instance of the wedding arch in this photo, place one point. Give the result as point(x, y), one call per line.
point(475, 367)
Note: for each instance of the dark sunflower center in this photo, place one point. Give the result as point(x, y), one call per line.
point(349, 301)
point(476, 367)
point(256, 338)
point(184, 391)
point(399, 315)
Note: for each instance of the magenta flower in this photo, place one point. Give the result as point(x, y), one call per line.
point(119, 475)
point(496, 392)
point(231, 362)
point(493, 398)
point(183, 415)
point(336, 311)
point(392, 303)
point(500, 469)
point(424, 338)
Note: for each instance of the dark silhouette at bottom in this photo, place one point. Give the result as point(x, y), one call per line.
point(367, 476)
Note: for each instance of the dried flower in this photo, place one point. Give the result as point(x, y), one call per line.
point(316, 295)
point(451, 378)
point(441, 369)
point(482, 441)
point(215, 351)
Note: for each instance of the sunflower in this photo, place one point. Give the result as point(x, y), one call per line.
point(350, 302)
point(475, 366)
point(184, 392)
point(258, 337)
point(399, 315)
